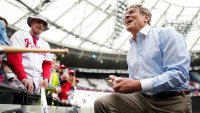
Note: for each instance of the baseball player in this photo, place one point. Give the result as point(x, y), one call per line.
point(31, 67)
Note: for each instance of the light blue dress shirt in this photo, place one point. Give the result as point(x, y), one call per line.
point(3, 35)
point(159, 59)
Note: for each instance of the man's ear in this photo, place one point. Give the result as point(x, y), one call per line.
point(146, 18)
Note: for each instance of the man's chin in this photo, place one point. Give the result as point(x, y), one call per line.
point(38, 32)
point(129, 28)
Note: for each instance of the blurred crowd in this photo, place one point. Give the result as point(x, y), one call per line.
point(62, 83)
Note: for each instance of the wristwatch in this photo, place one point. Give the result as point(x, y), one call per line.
point(10, 75)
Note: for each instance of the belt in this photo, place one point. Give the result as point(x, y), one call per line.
point(166, 95)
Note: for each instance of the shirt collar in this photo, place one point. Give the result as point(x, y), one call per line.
point(144, 31)
point(35, 37)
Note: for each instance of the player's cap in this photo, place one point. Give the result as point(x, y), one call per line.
point(38, 17)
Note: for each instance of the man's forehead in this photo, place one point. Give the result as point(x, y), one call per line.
point(131, 8)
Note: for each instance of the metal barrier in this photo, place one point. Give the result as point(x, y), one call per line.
point(15, 96)
point(12, 95)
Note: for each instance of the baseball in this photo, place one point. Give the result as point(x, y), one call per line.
point(116, 80)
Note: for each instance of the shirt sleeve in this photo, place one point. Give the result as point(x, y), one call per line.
point(15, 59)
point(46, 66)
point(15, 62)
point(3, 35)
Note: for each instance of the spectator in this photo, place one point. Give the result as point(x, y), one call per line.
point(72, 77)
point(5, 42)
point(61, 69)
point(158, 66)
point(3, 35)
point(73, 81)
point(31, 67)
point(54, 79)
point(64, 90)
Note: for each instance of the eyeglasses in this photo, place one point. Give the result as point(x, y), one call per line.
point(71, 73)
point(133, 11)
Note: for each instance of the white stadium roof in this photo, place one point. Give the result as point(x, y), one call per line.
point(97, 25)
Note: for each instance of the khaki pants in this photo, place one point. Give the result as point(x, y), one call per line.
point(137, 103)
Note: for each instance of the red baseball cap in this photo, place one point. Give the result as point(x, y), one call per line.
point(71, 71)
point(62, 66)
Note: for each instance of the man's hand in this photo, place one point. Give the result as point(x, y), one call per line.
point(114, 79)
point(111, 79)
point(125, 85)
point(44, 83)
point(28, 85)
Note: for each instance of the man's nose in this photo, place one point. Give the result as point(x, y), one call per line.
point(126, 15)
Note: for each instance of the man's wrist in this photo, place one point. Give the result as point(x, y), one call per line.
point(10, 75)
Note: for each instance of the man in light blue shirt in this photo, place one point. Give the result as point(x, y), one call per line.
point(158, 65)
point(4, 41)
point(3, 35)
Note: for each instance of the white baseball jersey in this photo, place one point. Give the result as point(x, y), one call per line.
point(32, 62)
